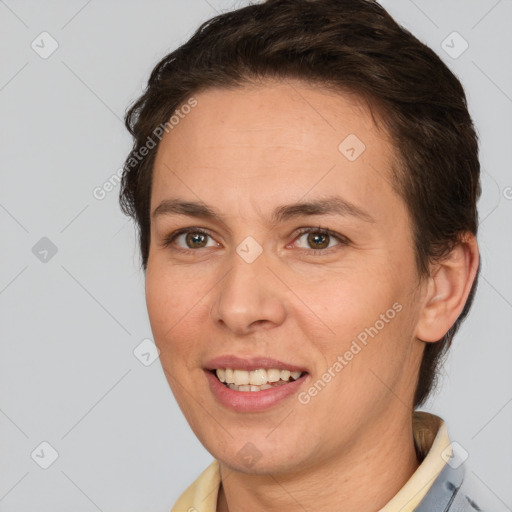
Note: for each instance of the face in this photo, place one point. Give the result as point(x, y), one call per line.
point(280, 250)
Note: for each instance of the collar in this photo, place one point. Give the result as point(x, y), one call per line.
point(432, 446)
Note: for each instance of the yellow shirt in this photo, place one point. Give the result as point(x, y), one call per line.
point(432, 443)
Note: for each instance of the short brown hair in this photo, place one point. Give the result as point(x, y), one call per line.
point(347, 45)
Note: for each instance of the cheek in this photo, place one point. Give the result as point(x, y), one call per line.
point(171, 307)
point(171, 292)
point(347, 302)
point(366, 317)
point(161, 303)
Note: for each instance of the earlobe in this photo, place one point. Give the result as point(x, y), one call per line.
point(447, 290)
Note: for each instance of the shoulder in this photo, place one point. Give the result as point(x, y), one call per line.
point(475, 494)
point(458, 489)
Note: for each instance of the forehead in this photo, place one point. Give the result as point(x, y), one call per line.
point(270, 139)
point(273, 112)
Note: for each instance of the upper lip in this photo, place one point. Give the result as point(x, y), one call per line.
point(250, 363)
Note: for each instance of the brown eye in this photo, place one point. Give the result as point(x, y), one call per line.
point(195, 240)
point(318, 240)
point(190, 239)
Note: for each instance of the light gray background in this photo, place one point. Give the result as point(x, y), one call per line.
point(69, 326)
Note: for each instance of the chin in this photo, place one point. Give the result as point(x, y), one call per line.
point(260, 452)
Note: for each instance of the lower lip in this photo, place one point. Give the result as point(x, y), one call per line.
point(252, 401)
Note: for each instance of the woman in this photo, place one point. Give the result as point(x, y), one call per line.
point(304, 178)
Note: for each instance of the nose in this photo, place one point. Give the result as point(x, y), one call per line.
point(248, 298)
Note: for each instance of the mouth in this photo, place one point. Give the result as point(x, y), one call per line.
point(256, 380)
point(253, 384)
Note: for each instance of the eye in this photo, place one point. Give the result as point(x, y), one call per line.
point(317, 240)
point(321, 239)
point(189, 239)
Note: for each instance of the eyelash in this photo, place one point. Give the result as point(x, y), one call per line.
point(343, 241)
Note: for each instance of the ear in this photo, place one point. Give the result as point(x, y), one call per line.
point(447, 290)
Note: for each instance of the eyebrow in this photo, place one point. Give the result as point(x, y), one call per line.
point(330, 205)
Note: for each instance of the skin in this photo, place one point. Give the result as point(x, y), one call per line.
point(246, 151)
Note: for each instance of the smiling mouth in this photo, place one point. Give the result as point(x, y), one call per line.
point(255, 380)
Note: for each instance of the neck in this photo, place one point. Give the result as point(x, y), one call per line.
point(363, 479)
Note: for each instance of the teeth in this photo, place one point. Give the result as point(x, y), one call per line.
point(241, 377)
point(273, 375)
point(285, 374)
point(255, 380)
point(258, 377)
point(230, 379)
